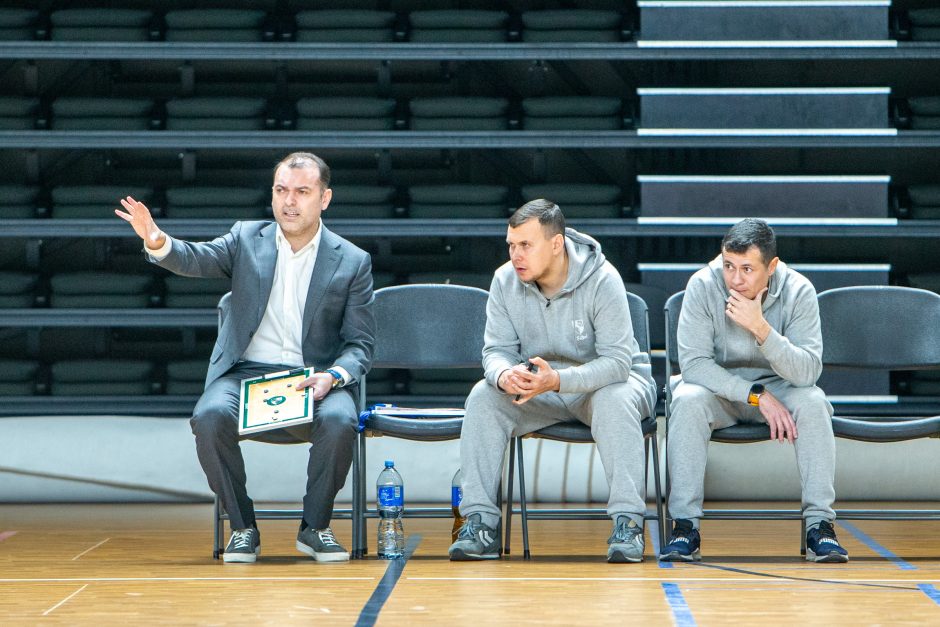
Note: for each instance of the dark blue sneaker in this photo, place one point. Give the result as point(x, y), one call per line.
point(684, 545)
point(822, 545)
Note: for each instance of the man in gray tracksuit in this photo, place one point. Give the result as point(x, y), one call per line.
point(559, 346)
point(750, 350)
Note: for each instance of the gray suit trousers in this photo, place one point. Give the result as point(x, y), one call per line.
point(331, 435)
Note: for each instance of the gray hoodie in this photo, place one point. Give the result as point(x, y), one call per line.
point(716, 353)
point(584, 331)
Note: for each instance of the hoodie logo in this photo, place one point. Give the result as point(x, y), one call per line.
point(579, 333)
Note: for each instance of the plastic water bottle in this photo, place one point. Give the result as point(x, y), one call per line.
point(390, 501)
point(456, 496)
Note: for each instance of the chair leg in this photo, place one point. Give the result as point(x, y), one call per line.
point(216, 529)
point(356, 504)
point(660, 518)
point(803, 536)
point(508, 516)
point(522, 502)
point(499, 507)
point(363, 506)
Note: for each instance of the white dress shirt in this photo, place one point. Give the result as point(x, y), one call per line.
point(278, 338)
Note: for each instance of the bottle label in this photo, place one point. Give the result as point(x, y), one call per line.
point(391, 496)
point(456, 496)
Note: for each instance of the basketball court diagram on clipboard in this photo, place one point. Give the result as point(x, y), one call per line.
point(273, 401)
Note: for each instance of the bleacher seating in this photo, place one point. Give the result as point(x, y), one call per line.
point(925, 24)
point(585, 103)
point(217, 114)
point(345, 26)
point(458, 26)
point(18, 24)
point(18, 201)
point(225, 25)
point(458, 201)
point(93, 201)
point(100, 289)
point(101, 24)
point(18, 113)
point(572, 25)
point(456, 113)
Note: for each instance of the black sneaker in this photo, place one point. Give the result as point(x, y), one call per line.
point(684, 544)
point(243, 547)
point(475, 541)
point(822, 545)
point(321, 545)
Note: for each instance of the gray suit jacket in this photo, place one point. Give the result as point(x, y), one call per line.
point(338, 323)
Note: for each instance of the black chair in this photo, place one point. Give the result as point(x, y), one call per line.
point(743, 433)
point(577, 432)
point(882, 328)
point(418, 327)
point(295, 435)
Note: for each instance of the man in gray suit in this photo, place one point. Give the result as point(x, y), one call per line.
point(301, 297)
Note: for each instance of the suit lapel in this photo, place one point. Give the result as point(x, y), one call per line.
point(266, 254)
point(328, 258)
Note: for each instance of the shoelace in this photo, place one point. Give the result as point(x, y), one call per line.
point(682, 533)
point(625, 533)
point(469, 530)
point(327, 537)
point(827, 533)
point(242, 538)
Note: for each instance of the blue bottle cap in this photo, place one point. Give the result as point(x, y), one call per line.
point(389, 463)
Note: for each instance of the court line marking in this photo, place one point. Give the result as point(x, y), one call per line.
point(872, 544)
point(132, 579)
point(6, 534)
point(372, 608)
point(930, 591)
point(91, 549)
point(681, 614)
point(657, 543)
point(60, 603)
point(658, 578)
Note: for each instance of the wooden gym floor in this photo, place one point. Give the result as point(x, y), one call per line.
point(151, 564)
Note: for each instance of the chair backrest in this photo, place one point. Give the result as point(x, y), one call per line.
point(655, 298)
point(639, 315)
point(429, 326)
point(880, 327)
point(671, 311)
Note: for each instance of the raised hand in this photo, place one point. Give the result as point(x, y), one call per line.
point(748, 313)
point(138, 216)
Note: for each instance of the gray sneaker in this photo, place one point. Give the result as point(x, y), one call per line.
point(475, 541)
point(321, 545)
point(243, 547)
point(626, 542)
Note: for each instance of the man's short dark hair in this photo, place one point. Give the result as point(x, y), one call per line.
point(546, 212)
point(751, 232)
point(306, 160)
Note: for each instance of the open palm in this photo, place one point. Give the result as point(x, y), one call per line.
point(138, 216)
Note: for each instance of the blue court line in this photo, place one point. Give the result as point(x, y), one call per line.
point(370, 612)
point(930, 591)
point(681, 614)
point(657, 542)
point(877, 548)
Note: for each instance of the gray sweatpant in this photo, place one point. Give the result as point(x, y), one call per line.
point(696, 412)
point(614, 413)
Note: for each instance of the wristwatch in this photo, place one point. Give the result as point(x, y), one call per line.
point(753, 397)
point(337, 377)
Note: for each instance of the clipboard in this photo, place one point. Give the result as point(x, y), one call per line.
point(273, 401)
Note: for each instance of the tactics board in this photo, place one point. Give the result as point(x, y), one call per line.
point(273, 401)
